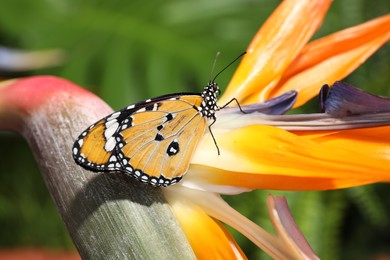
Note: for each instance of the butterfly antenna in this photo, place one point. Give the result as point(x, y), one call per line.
point(215, 62)
point(242, 54)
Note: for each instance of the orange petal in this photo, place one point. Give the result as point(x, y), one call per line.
point(339, 42)
point(369, 142)
point(275, 45)
point(331, 58)
point(207, 237)
point(267, 157)
point(215, 206)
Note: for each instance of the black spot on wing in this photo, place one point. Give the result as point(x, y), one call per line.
point(159, 137)
point(173, 148)
point(152, 107)
point(169, 117)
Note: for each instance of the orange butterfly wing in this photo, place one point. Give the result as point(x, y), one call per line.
point(152, 141)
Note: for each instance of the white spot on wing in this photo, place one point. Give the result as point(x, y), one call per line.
point(110, 123)
point(81, 141)
point(113, 116)
point(110, 144)
point(110, 130)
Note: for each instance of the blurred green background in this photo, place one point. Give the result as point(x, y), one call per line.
point(126, 51)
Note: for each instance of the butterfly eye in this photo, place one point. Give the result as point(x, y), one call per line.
point(216, 89)
point(213, 87)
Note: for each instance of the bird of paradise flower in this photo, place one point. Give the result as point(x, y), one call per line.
point(281, 152)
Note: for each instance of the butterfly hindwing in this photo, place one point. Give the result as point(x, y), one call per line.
point(152, 140)
point(180, 149)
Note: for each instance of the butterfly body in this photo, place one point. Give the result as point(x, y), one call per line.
point(153, 140)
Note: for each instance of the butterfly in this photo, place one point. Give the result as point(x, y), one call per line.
point(152, 140)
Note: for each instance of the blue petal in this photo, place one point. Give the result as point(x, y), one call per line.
point(274, 106)
point(344, 99)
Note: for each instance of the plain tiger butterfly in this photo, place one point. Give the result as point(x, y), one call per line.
point(152, 140)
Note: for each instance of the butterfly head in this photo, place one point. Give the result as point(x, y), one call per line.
point(209, 103)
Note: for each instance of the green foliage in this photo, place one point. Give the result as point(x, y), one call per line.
point(27, 214)
point(126, 51)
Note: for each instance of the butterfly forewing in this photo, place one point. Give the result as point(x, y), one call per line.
point(153, 141)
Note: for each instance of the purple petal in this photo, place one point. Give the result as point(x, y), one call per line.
point(274, 106)
point(287, 229)
point(344, 99)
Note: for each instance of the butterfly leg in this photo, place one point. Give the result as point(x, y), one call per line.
point(234, 99)
point(212, 135)
point(214, 119)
